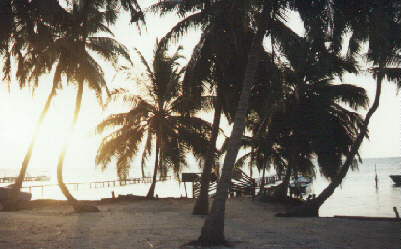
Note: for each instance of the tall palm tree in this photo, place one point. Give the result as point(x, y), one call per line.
point(41, 24)
point(314, 106)
point(311, 120)
point(213, 228)
point(155, 119)
point(32, 30)
point(31, 44)
point(80, 68)
point(379, 24)
point(220, 55)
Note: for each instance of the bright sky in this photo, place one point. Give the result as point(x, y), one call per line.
point(20, 109)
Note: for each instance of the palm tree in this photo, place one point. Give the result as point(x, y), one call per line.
point(378, 23)
point(213, 229)
point(314, 107)
point(219, 58)
point(214, 61)
point(37, 39)
point(311, 120)
point(155, 120)
point(41, 24)
point(81, 68)
point(25, 42)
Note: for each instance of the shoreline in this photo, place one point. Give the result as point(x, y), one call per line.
point(168, 223)
point(49, 203)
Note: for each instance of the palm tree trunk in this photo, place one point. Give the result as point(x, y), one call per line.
point(151, 191)
point(213, 229)
point(202, 203)
point(142, 170)
point(28, 155)
point(63, 187)
point(251, 162)
point(282, 189)
point(311, 208)
point(262, 184)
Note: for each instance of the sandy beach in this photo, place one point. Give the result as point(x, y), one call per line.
point(168, 223)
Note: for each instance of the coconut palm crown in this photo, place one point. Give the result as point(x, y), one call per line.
point(154, 120)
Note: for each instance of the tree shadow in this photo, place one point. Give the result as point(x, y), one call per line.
point(199, 244)
point(82, 235)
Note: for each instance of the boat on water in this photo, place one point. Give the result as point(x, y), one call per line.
point(6, 193)
point(396, 179)
point(42, 178)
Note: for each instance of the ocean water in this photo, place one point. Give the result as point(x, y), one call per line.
point(357, 195)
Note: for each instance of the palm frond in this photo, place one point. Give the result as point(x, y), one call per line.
point(120, 119)
point(353, 96)
point(145, 63)
point(181, 28)
point(108, 48)
point(240, 163)
point(122, 145)
point(391, 74)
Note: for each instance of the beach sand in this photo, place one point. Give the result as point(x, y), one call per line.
point(168, 223)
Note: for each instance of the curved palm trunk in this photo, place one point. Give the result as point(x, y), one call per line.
point(213, 229)
point(311, 208)
point(28, 155)
point(151, 191)
point(63, 187)
point(202, 203)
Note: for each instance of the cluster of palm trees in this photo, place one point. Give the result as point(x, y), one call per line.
point(282, 87)
point(41, 37)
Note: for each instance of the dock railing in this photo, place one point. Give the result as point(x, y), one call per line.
point(101, 184)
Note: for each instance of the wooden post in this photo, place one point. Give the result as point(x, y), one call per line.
point(193, 189)
point(185, 187)
point(376, 179)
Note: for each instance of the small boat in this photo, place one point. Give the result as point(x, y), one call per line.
point(6, 193)
point(42, 178)
point(396, 179)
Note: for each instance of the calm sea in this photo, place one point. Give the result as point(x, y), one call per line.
point(358, 194)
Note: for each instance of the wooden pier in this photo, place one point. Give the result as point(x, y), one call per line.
point(113, 183)
point(102, 184)
point(26, 179)
point(272, 179)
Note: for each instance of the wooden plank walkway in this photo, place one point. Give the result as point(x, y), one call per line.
point(26, 179)
point(102, 184)
point(272, 179)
